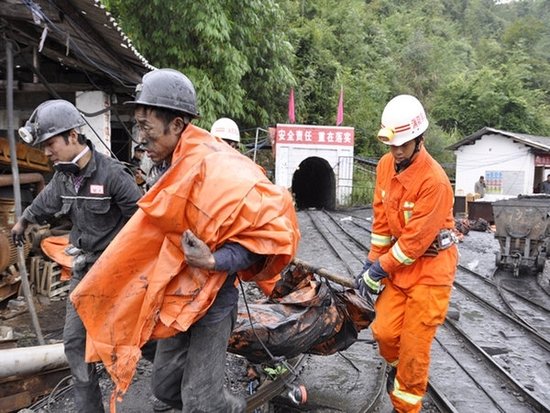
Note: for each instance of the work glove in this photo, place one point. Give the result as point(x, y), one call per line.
point(18, 233)
point(369, 280)
point(359, 277)
point(197, 253)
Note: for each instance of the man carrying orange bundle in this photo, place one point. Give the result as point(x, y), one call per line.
point(171, 272)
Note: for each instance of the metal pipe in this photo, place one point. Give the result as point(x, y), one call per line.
point(24, 361)
point(256, 144)
point(17, 192)
point(25, 178)
point(323, 272)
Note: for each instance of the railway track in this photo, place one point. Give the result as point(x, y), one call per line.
point(496, 353)
point(494, 358)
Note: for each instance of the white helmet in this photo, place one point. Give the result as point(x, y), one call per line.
point(403, 120)
point(226, 129)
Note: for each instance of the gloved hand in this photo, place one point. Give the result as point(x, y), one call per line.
point(369, 280)
point(359, 277)
point(197, 253)
point(18, 233)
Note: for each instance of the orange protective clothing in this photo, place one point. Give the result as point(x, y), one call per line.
point(141, 288)
point(54, 247)
point(410, 208)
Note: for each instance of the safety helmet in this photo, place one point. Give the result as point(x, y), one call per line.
point(166, 88)
point(226, 129)
point(49, 119)
point(403, 120)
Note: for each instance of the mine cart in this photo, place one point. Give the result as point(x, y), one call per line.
point(523, 232)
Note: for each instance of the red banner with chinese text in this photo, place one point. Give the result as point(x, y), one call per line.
point(314, 135)
point(542, 160)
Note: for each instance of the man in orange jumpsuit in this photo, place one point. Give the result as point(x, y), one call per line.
point(413, 255)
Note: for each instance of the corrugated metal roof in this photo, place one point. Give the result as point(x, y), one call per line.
point(80, 34)
point(537, 142)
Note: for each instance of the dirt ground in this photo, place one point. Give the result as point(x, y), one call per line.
point(332, 381)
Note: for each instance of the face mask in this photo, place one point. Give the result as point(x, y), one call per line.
point(71, 167)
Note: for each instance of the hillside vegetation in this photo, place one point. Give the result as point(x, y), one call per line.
point(473, 63)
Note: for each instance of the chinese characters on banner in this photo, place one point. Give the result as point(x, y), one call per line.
point(314, 135)
point(542, 160)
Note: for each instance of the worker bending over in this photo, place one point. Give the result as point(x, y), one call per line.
point(98, 194)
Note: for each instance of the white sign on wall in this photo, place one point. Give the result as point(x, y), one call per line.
point(296, 143)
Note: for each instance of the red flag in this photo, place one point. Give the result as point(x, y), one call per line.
point(291, 116)
point(340, 111)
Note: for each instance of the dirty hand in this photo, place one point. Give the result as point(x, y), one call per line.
point(197, 253)
point(18, 232)
point(369, 280)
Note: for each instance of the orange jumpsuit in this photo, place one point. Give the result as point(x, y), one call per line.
point(410, 208)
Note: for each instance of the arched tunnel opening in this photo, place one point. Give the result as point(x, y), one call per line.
point(313, 184)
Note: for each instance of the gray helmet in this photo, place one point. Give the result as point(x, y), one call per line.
point(167, 88)
point(49, 119)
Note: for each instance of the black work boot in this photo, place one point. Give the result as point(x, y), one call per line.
point(392, 371)
point(159, 405)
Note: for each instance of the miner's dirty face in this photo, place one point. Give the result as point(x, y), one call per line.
point(61, 148)
point(157, 136)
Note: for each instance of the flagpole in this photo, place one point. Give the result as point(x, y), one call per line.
point(291, 114)
point(340, 109)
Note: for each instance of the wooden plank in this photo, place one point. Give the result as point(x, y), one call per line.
point(8, 290)
point(14, 402)
point(13, 389)
point(51, 284)
point(59, 291)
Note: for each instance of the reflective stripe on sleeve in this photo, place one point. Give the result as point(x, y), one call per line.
point(407, 213)
point(403, 395)
point(400, 256)
point(380, 240)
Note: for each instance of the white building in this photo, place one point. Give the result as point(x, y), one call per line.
point(512, 163)
point(315, 163)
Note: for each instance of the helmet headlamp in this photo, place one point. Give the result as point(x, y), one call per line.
point(386, 134)
point(27, 133)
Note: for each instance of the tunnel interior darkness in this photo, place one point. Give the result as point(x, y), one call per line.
point(313, 184)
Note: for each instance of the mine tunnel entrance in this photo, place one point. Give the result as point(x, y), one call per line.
point(313, 184)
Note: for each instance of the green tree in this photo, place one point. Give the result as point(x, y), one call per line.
point(234, 52)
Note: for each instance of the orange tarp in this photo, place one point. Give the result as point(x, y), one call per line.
point(140, 288)
point(54, 247)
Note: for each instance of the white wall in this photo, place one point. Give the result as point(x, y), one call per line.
point(288, 158)
point(495, 153)
point(19, 119)
point(91, 102)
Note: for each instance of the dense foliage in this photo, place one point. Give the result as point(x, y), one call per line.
point(473, 63)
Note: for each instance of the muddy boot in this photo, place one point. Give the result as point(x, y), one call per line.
point(159, 405)
point(391, 379)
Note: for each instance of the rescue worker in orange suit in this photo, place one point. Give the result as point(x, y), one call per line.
point(99, 195)
point(413, 256)
point(171, 272)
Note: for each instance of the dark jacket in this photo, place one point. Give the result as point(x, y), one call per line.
point(104, 202)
